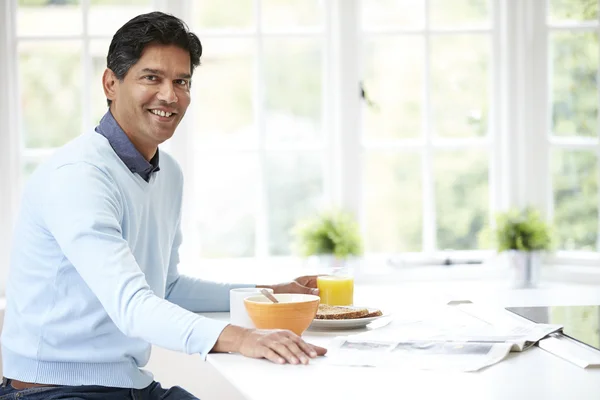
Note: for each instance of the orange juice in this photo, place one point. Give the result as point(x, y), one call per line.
point(336, 290)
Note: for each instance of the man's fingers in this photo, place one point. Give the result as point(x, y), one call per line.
point(307, 348)
point(281, 346)
point(307, 280)
point(284, 352)
point(296, 350)
point(320, 350)
point(273, 356)
point(310, 349)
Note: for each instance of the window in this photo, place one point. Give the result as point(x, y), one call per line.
point(470, 106)
point(61, 51)
point(572, 37)
point(429, 131)
point(258, 126)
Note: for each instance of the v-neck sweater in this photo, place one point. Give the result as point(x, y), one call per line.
point(93, 278)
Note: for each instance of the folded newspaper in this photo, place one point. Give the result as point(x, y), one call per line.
point(451, 338)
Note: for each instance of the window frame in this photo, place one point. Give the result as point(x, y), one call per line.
point(10, 165)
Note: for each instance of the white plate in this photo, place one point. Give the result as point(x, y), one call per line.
point(344, 323)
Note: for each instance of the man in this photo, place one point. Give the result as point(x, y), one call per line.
point(93, 277)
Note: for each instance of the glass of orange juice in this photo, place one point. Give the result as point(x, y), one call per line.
point(336, 290)
point(335, 281)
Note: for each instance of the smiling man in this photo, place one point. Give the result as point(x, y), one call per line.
point(94, 278)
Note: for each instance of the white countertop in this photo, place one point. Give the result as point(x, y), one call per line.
point(532, 374)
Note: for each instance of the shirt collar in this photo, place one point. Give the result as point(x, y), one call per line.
point(131, 157)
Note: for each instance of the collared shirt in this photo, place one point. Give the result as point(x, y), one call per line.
point(133, 159)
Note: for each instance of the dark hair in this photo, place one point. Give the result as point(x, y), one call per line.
point(156, 27)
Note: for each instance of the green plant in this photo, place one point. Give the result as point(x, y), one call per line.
point(523, 230)
point(331, 232)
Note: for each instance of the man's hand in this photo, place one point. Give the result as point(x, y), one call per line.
point(278, 346)
point(304, 284)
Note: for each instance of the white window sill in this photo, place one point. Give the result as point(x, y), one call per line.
point(378, 270)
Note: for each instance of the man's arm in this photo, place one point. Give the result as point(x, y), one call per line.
point(278, 346)
point(82, 210)
point(194, 294)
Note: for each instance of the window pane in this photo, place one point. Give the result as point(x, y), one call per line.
point(394, 83)
point(459, 13)
point(575, 183)
point(286, 14)
point(460, 74)
point(225, 193)
point(50, 84)
point(49, 17)
point(393, 202)
point(573, 10)
point(574, 83)
point(223, 14)
point(583, 322)
point(222, 91)
point(393, 13)
point(295, 191)
point(105, 17)
point(461, 193)
point(98, 52)
point(293, 89)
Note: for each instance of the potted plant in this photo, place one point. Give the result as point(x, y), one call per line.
point(526, 237)
point(333, 236)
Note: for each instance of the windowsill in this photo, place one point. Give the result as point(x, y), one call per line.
point(378, 270)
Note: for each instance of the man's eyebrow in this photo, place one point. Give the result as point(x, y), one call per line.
point(152, 71)
point(159, 72)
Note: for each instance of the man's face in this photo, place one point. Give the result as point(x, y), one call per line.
point(152, 98)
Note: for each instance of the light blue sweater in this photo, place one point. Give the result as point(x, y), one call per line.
point(95, 256)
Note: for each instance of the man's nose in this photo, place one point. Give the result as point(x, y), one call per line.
point(166, 93)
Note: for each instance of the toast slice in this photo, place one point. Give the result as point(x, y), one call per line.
point(373, 313)
point(339, 312)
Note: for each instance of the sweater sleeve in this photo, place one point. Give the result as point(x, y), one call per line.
point(82, 210)
point(196, 294)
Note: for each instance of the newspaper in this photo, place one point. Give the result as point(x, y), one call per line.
point(451, 338)
point(498, 324)
point(419, 354)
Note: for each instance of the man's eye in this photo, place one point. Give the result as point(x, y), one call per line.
point(182, 82)
point(150, 77)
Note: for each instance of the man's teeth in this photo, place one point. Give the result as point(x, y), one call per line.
point(161, 113)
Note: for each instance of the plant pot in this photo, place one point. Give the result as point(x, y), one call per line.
point(526, 268)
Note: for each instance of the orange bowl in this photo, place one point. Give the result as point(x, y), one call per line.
point(294, 311)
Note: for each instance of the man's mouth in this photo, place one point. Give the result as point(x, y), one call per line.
point(162, 113)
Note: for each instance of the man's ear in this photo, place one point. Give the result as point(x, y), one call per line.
point(109, 84)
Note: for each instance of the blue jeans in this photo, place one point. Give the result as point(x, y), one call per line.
point(152, 392)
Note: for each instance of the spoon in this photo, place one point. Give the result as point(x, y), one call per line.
point(269, 296)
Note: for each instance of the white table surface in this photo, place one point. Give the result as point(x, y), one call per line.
point(533, 374)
